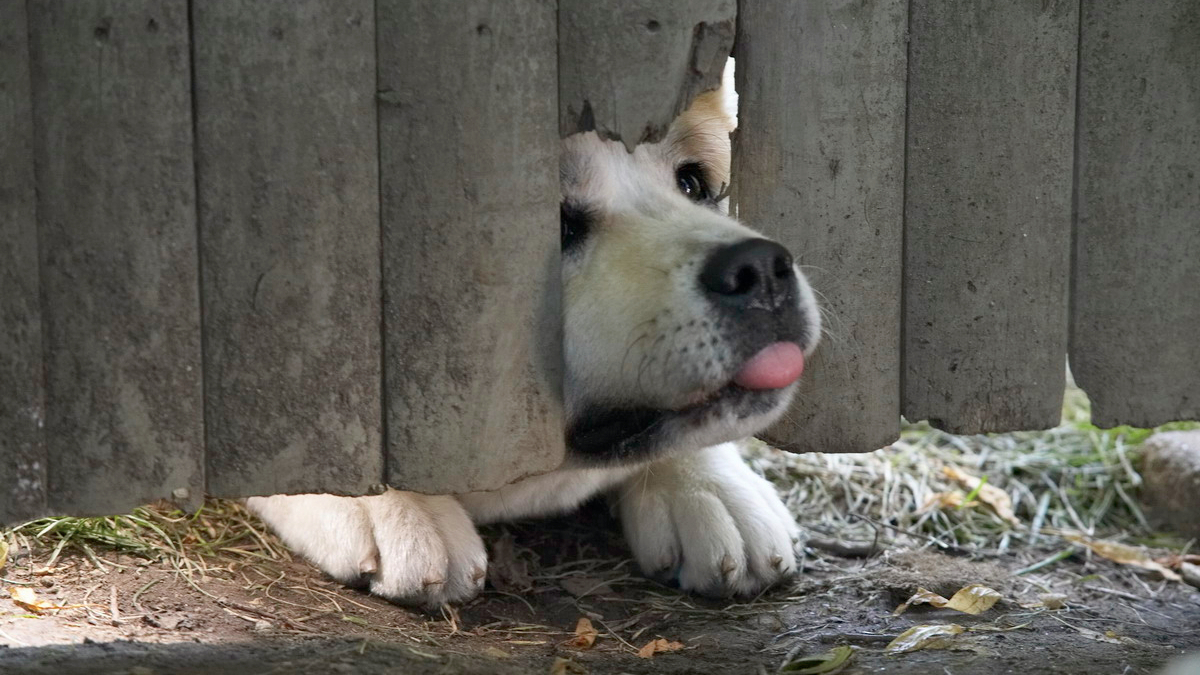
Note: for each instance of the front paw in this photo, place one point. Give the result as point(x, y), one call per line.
point(409, 548)
point(707, 520)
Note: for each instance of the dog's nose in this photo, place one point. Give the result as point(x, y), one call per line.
point(749, 273)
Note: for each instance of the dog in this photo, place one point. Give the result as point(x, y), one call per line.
point(685, 332)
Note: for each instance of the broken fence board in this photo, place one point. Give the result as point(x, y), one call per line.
point(1135, 340)
point(286, 158)
point(988, 212)
point(117, 236)
point(469, 179)
point(628, 69)
point(22, 390)
point(819, 167)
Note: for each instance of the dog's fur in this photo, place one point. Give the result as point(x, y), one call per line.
point(652, 417)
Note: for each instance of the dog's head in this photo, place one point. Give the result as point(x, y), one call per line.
point(683, 328)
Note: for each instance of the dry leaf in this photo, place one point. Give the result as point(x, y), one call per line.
point(506, 571)
point(1047, 601)
point(580, 586)
point(955, 499)
point(988, 494)
point(495, 652)
point(829, 663)
point(660, 645)
point(563, 666)
point(27, 598)
point(585, 634)
point(1124, 554)
point(1190, 573)
point(3, 553)
point(973, 599)
point(923, 637)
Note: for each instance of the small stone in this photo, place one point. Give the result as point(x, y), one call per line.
point(1171, 471)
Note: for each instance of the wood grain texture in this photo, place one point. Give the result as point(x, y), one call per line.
point(286, 155)
point(627, 69)
point(991, 110)
point(469, 180)
point(819, 166)
point(116, 214)
point(1135, 338)
point(22, 389)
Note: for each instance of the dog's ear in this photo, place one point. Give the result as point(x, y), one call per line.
point(729, 97)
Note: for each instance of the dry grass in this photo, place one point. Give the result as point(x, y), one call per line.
point(1074, 477)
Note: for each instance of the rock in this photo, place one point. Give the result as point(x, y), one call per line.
point(1171, 470)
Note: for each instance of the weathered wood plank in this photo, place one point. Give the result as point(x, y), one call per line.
point(1135, 340)
point(469, 179)
point(22, 390)
point(628, 69)
point(117, 234)
point(819, 165)
point(988, 212)
point(287, 172)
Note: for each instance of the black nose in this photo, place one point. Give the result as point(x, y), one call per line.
point(754, 272)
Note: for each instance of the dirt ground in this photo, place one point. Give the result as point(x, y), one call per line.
point(142, 617)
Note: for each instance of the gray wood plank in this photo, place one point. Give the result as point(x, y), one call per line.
point(22, 390)
point(628, 69)
point(287, 171)
point(1135, 340)
point(117, 233)
point(469, 180)
point(988, 212)
point(819, 166)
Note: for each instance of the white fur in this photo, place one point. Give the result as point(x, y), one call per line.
point(638, 332)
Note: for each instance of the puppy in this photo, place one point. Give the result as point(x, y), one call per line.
point(684, 332)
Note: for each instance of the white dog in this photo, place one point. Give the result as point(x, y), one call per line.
point(685, 333)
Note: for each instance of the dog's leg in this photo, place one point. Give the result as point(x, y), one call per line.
point(410, 548)
point(706, 519)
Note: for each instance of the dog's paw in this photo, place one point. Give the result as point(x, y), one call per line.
point(707, 520)
point(409, 548)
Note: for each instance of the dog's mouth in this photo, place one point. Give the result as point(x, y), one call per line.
point(758, 387)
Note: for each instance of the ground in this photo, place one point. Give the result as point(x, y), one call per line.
point(211, 593)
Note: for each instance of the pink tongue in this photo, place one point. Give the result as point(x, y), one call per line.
point(775, 367)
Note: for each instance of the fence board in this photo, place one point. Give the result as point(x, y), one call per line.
point(286, 151)
point(628, 69)
point(469, 182)
point(819, 166)
point(22, 391)
point(1135, 305)
point(987, 212)
point(117, 235)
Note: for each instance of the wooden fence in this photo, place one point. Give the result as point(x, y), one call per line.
point(252, 247)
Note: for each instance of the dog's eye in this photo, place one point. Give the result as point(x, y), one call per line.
point(690, 179)
point(575, 222)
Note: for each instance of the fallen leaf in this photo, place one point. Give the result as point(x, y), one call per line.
point(563, 666)
point(27, 598)
point(832, 661)
point(1190, 573)
point(1124, 554)
point(660, 645)
point(3, 553)
point(506, 571)
point(583, 586)
point(497, 653)
point(585, 634)
point(1047, 601)
point(988, 494)
point(923, 637)
point(973, 599)
point(955, 499)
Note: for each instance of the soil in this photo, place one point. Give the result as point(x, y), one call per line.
point(248, 616)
